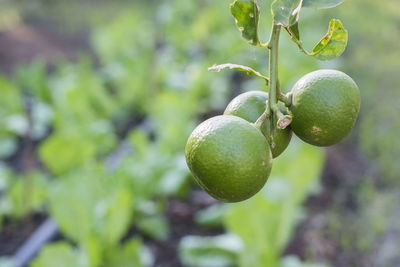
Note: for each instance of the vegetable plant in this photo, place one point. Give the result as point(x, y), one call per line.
point(321, 108)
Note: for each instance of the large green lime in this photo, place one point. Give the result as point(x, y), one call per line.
point(250, 106)
point(325, 107)
point(229, 158)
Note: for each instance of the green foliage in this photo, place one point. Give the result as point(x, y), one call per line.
point(149, 70)
point(212, 216)
point(247, 15)
point(333, 43)
point(33, 80)
point(379, 126)
point(248, 70)
point(27, 194)
point(59, 254)
point(286, 12)
point(12, 122)
point(218, 251)
point(21, 194)
point(266, 221)
point(132, 253)
point(102, 204)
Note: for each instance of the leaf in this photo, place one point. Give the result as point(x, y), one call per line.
point(247, 15)
point(72, 151)
point(211, 216)
point(103, 206)
point(16, 195)
point(131, 253)
point(322, 3)
point(248, 70)
point(114, 215)
point(294, 31)
point(217, 251)
point(8, 145)
point(286, 12)
point(59, 254)
point(333, 43)
point(330, 46)
point(156, 227)
point(175, 180)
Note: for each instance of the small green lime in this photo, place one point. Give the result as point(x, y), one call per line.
point(229, 158)
point(250, 106)
point(325, 106)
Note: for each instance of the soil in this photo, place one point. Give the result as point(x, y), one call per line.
point(181, 217)
point(14, 233)
point(24, 43)
point(312, 238)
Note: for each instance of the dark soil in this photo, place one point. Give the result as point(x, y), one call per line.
point(312, 238)
point(23, 44)
point(181, 218)
point(14, 233)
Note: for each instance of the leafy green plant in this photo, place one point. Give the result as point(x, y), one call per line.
point(13, 122)
point(103, 205)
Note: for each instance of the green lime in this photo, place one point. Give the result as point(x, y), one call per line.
point(229, 158)
point(325, 106)
point(250, 106)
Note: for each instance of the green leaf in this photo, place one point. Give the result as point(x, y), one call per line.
point(132, 253)
point(59, 254)
point(322, 3)
point(8, 145)
point(72, 151)
point(294, 31)
point(333, 43)
point(16, 195)
point(114, 217)
point(286, 12)
point(248, 70)
point(103, 206)
point(212, 216)
point(156, 227)
point(247, 15)
point(217, 251)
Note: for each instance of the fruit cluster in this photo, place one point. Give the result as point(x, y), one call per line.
point(231, 156)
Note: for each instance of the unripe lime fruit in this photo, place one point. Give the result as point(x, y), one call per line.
point(250, 106)
point(229, 158)
point(325, 106)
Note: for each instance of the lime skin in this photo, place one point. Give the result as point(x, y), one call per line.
point(229, 158)
point(325, 106)
point(250, 106)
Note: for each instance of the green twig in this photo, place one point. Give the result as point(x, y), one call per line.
point(286, 99)
point(271, 110)
point(273, 76)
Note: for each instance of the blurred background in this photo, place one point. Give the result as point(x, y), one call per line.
point(97, 99)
